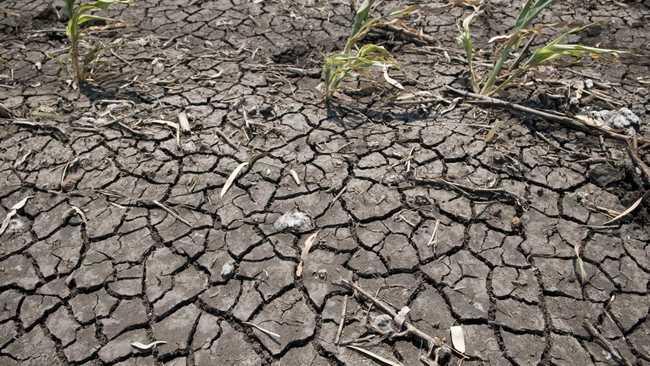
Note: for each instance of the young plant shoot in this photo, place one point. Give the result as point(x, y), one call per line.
point(355, 59)
point(519, 40)
point(80, 14)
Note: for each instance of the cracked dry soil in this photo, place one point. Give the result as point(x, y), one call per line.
point(125, 237)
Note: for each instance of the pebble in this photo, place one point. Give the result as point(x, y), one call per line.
point(228, 269)
point(294, 220)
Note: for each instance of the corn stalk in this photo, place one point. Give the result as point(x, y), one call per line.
point(355, 59)
point(528, 13)
point(80, 14)
point(551, 51)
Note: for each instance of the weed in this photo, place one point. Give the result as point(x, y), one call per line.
point(80, 14)
point(520, 40)
point(465, 39)
point(361, 60)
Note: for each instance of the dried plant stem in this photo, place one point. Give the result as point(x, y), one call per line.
point(76, 67)
point(598, 338)
point(632, 148)
point(433, 342)
point(563, 119)
point(344, 310)
point(265, 331)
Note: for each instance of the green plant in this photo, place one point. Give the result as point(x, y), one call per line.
point(465, 39)
point(519, 40)
point(361, 60)
point(80, 14)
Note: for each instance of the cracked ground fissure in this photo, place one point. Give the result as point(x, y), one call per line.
point(125, 237)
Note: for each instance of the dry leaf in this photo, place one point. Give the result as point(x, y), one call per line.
point(504, 37)
point(392, 81)
point(12, 213)
point(184, 123)
point(145, 347)
point(400, 318)
point(626, 212)
point(295, 177)
point(305, 251)
point(582, 274)
point(458, 338)
point(376, 356)
point(231, 178)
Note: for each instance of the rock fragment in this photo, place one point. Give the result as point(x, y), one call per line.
point(294, 221)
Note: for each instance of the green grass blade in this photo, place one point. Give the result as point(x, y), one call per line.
point(68, 7)
point(465, 40)
point(530, 11)
point(361, 17)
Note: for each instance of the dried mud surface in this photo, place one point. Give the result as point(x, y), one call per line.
point(95, 260)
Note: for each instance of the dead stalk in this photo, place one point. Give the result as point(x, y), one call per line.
point(433, 342)
point(563, 119)
point(342, 321)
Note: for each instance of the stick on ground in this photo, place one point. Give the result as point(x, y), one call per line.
point(598, 338)
point(344, 310)
point(410, 328)
point(562, 119)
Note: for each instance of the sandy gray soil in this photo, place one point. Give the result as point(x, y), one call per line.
point(125, 237)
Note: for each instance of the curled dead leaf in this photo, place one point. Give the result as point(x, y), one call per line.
point(294, 175)
point(231, 179)
point(14, 210)
point(148, 346)
point(375, 356)
point(458, 338)
point(305, 251)
point(628, 211)
point(390, 80)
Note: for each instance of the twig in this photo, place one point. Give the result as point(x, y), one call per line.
point(563, 119)
point(169, 211)
point(476, 191)
point(121, 58)
point(598, 338)
point(433, 342)
point(337, 196)
point(267, 332)
point(632, 148)
point(57, 130)
point(344, 310)
point(227, 140)
point(433, 241)
point(171, 40)
point(523, 52)
point(548, 141)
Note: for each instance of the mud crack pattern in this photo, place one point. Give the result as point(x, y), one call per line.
point(125, 237)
